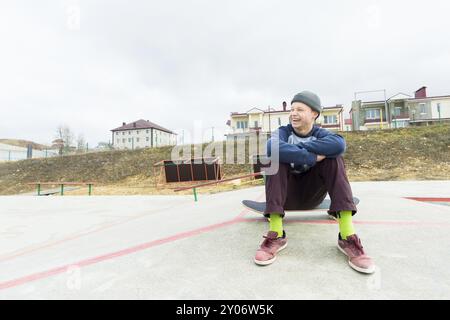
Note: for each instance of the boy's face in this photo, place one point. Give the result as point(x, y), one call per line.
point(302, 116)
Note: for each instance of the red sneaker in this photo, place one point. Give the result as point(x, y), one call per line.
point(357, 259)
point(272, 244)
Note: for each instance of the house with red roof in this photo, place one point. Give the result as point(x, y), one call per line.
point(142, 134)
point(400, 110)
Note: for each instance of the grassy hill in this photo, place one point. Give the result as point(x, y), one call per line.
point(401, 154)
point(23, 143)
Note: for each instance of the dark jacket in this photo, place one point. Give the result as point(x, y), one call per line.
point(301, 151)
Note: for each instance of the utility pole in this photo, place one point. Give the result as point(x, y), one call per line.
point(385, 109)
point(439, 111)
point(212, 133)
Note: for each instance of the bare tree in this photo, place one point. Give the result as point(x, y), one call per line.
point(81, 143)
point(64, 133)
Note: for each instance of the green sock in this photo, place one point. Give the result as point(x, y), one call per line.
point(276, 223)
point(345, 224)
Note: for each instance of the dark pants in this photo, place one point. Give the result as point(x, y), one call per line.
point(288, 191)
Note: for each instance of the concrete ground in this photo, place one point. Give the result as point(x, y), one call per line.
point(170, 247)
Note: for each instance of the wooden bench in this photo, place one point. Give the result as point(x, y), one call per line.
point(62, 184)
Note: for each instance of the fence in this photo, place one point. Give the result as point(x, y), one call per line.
point(14, 153)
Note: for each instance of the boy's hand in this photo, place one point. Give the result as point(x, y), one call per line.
point(320, 157)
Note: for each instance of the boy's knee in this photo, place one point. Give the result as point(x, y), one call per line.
point(281, 169)
point(337, 163)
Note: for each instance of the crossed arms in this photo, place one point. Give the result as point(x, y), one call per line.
point(330, 145)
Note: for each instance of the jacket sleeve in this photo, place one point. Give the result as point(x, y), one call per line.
point(328, 144)
point(290, 153)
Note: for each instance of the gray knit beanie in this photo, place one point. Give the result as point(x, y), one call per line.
point(310, 99)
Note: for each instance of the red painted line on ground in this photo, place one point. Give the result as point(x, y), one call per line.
point(116, 254)
point(362, 222)
point(78, 235)
point(406, 223)
point(429, 199)
point(289, 221)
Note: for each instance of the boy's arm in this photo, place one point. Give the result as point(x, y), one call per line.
point(290, 153)
point(329, 144)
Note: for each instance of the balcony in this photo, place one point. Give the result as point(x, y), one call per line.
point(403, 115)
point(374, 120)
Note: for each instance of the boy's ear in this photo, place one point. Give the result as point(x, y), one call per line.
point(317, 114)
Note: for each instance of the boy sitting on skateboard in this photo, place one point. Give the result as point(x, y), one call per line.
point(310, 166)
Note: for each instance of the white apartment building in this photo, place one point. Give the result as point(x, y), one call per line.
point(142, 134)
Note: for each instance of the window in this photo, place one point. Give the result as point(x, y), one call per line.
point(137, 139)
point(330, 119)
point(400, 124)
point(279, 121)
point(242, 124)
point(256, 124)
point(397, 111)
point(373, 114)
point(137, 132)
point(129, 139)
point(123, 133)
point(147, 138)
point(117, 133)
point(146, 131)
point(422, 108)
point(129, 132)
point(123, 140)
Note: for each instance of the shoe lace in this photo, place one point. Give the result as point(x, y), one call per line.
point(268, 242)
point(357, 246)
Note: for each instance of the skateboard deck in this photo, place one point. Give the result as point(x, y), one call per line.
point(260, 207)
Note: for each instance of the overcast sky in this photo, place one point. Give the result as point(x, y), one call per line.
point(93, 64)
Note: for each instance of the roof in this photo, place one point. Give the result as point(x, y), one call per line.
point(433, 97)
point(142, 124)
point(400, 96)
point(338, 107)
point(404, 96)
point(373, 102)
point(258, 110)
point(279, 111)
point(421, 88)
point(265, 112)
point(408, 99)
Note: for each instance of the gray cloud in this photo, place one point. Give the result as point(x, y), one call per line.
point(175, 62)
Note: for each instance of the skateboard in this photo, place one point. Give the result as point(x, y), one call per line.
point(260, 207)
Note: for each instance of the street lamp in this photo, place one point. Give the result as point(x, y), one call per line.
point(212, 134)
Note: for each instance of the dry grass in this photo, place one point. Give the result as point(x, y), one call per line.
point(421, 153)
